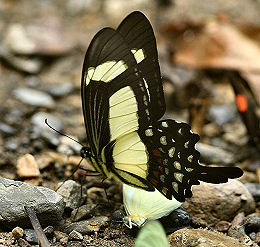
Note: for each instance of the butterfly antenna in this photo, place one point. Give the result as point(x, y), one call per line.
point(46, 122)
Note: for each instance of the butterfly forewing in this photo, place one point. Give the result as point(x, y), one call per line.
point(138, 33)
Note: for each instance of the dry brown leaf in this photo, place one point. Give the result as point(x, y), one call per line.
point(219, 45)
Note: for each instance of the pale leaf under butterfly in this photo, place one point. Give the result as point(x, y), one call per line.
point(123, 101)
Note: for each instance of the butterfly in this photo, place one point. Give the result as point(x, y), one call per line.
point(141, 205)
point(123, 102)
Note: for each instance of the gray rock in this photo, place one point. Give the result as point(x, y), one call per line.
point(34, 97)
point(215, 155)
point(254, 189)
point(73, 193)
point(14, 195)
point(87, 226)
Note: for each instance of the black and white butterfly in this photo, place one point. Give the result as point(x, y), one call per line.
point(123, 101)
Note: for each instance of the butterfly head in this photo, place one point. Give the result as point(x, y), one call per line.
point(85, 152)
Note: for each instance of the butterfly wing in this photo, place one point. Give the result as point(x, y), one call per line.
point(122, 100)
point(142, 205)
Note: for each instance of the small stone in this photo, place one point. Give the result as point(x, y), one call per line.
point(6, 129)
point(238, 232)
point(257, 238)
point(30, 236)
point(60, 90)
point(222, 226)
point(252, 222)
point(212, 203)
point(23, 243)
point(118, 215)
point(176, 219)
point(87, 226)
point(48, 230)
point(59, 235)
point(75, 235)
point(64, 241)
point(34, 97)
point(73, 193)
point(254, 189)
point(85, 211)
point(27, 166)
point(11, 145)
point(17, 232)
point(215, 155)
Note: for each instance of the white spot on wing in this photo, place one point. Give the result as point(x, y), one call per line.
point(171, 152)
point(177, 165)
point(163, 140)
point(149, 132)
point(106, 71)
point(178, 176)
point(138, 54)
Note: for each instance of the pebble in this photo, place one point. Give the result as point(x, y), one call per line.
point(202, 238)
point(38, 120)
point(75, 235)
point(11, 145)
point(85, 211)
point(23, 243)
point(17, 232)
point(36, 39)
point(176, 219)
point(87, 226)
point(48, 230)
point(252, 222)
point(118, 215)
point(222, 114)
point(60, 235)
point(30, 236)
point(34, 97)
point(215, 155)
point(60, 90)
point(73, 193)
point(49, 206)
point(238, 232)
point(254, 189)
point(7, 130)
point(27, 167)
point(27, 65)
point(222, 226)
point(257, 238)
point(212, 203)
